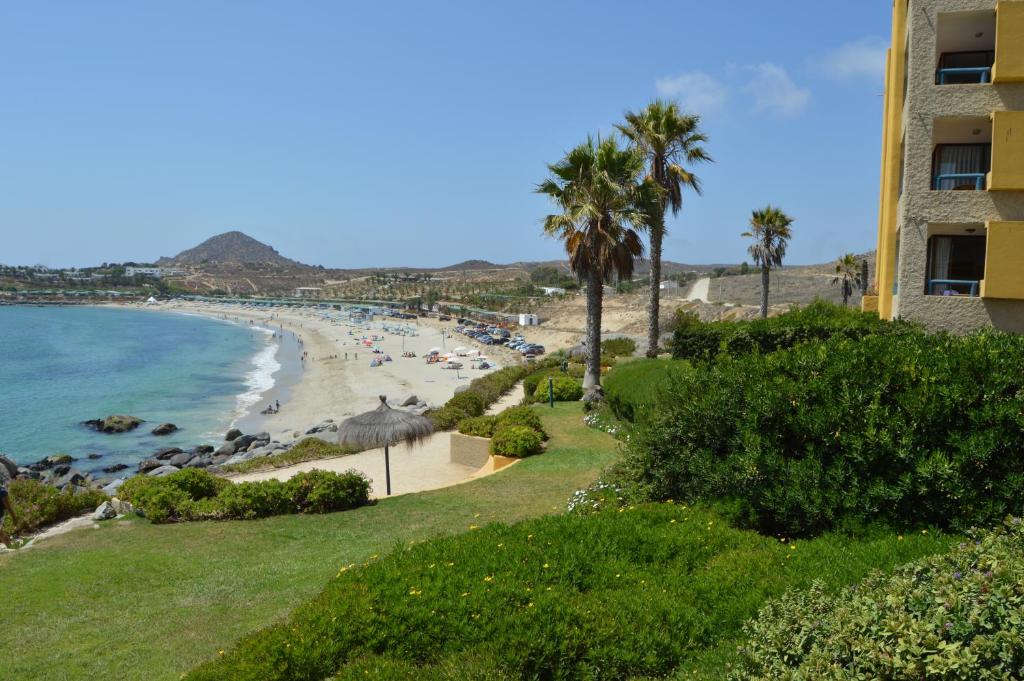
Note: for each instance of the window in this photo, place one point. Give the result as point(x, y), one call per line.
point(958, 68)
point(961, 166)
point(956, 265)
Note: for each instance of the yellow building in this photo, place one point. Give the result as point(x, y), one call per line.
point(951, 222)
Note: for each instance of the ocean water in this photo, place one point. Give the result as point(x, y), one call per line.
point(62, 366)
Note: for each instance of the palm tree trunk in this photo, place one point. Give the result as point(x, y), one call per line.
point(764, 292)
point(654, 307)
point(595, 297)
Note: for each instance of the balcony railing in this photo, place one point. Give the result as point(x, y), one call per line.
point(964, 75)
point(971, 285)
point(960, 181)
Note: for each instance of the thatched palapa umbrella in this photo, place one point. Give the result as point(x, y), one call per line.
point(384, 427)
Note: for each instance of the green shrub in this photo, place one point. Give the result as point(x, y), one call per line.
point(517, 441)
point(639, 384)
point(912, 429)
point(952, 616)
point(818, 321)
point(469, 402)
point(446, 417)
point(618, 347)
point(195, 494)
point(531, 382)
point(610, 595)
point(39, 505)
point(564, 389)
point(521, 416)
point(480, 426)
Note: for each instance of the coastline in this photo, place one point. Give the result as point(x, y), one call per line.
point(326, 385)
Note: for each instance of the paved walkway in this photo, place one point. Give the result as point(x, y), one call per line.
point(413, 469)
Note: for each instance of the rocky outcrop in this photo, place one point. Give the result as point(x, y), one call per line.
point(104, 511)
point(325, 426)
point(164, 429)
point(149, 465)
point(164, 454)
point(118, 423)
point(232, 434)
point(162, 471)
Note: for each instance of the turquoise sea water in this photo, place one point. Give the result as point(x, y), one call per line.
point(62, 366)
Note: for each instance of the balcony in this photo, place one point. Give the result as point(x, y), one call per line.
point(965, 48)
point(962, 156)
point(964, 68)
point(1004, 277)
point(956, 260)
point(1009, 64)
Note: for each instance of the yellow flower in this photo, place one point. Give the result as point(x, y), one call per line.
point(473, 527)
point(476, 515)
point(899, 538)
point(488, 578)
point(220, 652)
point(545, 566)
point(465, 593)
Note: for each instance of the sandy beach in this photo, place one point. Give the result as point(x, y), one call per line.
point(336, 379)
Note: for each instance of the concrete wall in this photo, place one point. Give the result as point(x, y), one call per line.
point(919, 206)
point(470, 451)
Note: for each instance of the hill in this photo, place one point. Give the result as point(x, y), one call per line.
point(230, 247)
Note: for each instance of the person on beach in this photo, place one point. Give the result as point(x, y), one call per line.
point(8, 470)
point(277, 405)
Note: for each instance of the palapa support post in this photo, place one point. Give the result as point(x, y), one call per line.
point(387, 469)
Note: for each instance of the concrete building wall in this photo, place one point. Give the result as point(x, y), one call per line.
point(920, 208)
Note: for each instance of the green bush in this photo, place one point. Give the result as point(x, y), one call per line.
point(195, 494)
point(952, 616)
point(521, 416)
point(39, 505)
point(517, 441)
point(531, 382)
point(639, 384)
point(912, 429)
point(480, 426)
point(564, 389)
point(446, 417)
point(609, 595)
point(618, 347)
point(469, 402)
point(818, 321)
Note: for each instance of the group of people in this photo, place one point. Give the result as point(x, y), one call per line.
point(272, 408)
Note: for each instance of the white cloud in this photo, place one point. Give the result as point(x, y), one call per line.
point(863, 58)
point(775, 92)
point(696, 91)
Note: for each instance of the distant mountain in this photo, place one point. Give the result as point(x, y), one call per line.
point(230, 247)
point(467, 265)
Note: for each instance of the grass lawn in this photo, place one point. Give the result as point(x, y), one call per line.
point(132, 600)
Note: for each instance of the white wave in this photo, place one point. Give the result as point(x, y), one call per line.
point(260, 378)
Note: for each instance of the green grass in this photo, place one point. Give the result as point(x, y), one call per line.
point(132, 600)
point(308, 449)
point(632, 386)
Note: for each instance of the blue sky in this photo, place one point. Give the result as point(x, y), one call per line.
point(412, 133)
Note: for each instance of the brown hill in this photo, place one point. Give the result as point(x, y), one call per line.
point(230, 247)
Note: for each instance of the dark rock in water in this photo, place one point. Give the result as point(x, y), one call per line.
point(181, 459)
point(149, 465)
point(162, 471)
point(219, 459)
point(115, 468)
point(57, 460)
point(118, 423)
point(203, 449)
point(164, 454)
point(93, 457)
point(58, 471)
point(70, 478)
point(164, 429)
point(199, 462)
point(232, 434)
point(28, 473)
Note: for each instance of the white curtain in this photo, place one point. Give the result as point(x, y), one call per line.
point(941, 247)
point(959, 159)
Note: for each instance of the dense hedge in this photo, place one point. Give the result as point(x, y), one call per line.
point(563, 389)
point(39, 505)
point(480, 426)
point(818, 321)
point(912, 429)
point(481, 393)
point(521, 416)
point(618, 347)
point(195, 494)
point(516, 441)
point(952, 616)
point(605, 596)
point(635, 386)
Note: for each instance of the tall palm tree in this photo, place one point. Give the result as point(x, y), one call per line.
point(604, 205)
point(848, 276)
point(669, 141)
point(769, 228)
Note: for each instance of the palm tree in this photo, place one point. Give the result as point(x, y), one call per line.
point(668, 139)
point(848, 276)
point(603, 204)
point(769, 228)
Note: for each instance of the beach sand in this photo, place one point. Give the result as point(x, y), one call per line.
point(332, 387)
